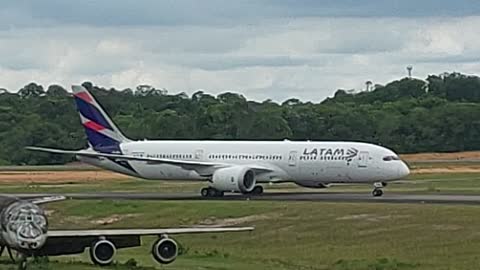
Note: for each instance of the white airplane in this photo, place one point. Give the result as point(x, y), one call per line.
point(231, 166)
point(24, 228)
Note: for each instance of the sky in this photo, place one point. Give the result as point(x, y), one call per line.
point(263, 49)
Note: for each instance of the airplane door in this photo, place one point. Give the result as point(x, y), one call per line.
point(199, 154)
point(363, 159)
point(292, 159)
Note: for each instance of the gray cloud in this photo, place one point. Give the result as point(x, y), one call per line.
point(22, 13)
point(279, 50)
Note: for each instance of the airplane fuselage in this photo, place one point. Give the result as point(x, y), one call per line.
point(305, 163)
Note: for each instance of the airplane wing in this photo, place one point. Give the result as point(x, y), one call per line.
point(144, 232)
point(192, 165)
point(87, 153)
point(68, 242)
point(47, 199)
point(35, 199)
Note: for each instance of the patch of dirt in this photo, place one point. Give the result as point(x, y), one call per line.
point(214, 222)
point(112, 219)
point(447, 169)
point(49, 213)
point(442, 156)
point(383, 230)
point(355, 217)
point(447, 227)
point(372, 231)
point(57, 176)
point(370, 217)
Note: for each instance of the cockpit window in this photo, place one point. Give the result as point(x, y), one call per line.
point(390, 158)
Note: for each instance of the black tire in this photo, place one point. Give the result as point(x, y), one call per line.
point(204, 192)
point(377, 193)
point(212, 192)
point(22, 265)
point(257, 190)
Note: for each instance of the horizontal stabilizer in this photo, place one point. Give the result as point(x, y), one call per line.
point(51, 150)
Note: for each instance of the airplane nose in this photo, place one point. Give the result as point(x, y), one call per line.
point(403, 171)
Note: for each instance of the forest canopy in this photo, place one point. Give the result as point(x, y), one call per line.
point(408, 115)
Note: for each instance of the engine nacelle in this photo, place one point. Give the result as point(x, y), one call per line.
point(165, 250)
point(236, 178)
point(102, 252)
point(24, 226)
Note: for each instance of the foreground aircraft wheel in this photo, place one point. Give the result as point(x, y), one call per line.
point(377, 192)
point(22, 265)
point(257, 190)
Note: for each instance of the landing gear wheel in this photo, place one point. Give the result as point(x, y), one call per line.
point(22, 264)
point(211, 192)
point(257, 190)
point(204, 192)
point(377, 192)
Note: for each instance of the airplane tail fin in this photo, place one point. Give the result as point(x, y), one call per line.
point(102, 134)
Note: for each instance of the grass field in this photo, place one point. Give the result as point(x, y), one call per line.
point(288, 235)
point(294, 235)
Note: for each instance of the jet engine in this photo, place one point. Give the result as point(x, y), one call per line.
point(236, 179)
point(165, 250)
point(102, 252)
point(24, 226)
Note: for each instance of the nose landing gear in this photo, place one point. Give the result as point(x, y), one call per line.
point(377, 189)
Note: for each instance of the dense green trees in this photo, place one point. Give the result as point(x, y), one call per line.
point(408, 115)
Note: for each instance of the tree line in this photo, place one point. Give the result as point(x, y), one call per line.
point(408, 115)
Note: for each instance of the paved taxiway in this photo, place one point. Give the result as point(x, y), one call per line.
point(290, 196)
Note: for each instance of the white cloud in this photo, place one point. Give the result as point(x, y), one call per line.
point(308, 58)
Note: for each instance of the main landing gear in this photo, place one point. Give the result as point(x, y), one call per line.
point(257, 190)
point(377, 189)
point(211, 192)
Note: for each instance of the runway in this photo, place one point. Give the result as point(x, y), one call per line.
point(312, 196)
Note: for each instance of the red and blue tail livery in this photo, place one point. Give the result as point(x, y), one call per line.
point(102, 134)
